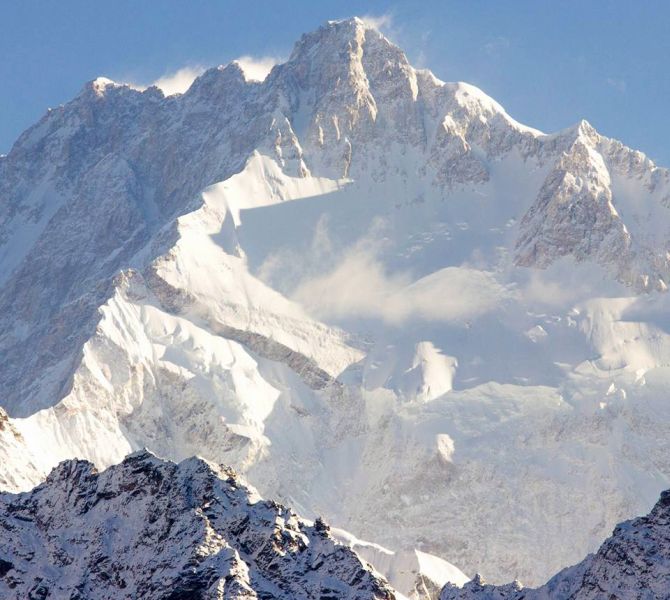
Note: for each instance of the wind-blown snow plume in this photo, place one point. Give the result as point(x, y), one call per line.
point(256, 68)
point(359, 287)
point(179, 81)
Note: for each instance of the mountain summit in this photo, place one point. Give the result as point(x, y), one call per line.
point(375, 294)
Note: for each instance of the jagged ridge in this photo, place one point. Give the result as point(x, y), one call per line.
point(151, 529)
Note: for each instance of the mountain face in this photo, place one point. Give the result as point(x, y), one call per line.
point(634, 563)
point(374, 294)
point(148, 528)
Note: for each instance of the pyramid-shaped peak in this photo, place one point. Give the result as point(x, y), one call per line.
point(585, 128)
point(334, 38)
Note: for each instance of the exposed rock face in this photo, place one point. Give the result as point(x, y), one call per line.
point(633, 564)
point(151, 529)
point(575, 214)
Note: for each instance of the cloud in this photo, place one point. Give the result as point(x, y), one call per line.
point(566, 283)
point(333, 284)
point(379, 22)
point(618, 84)
point(496, 46)
point(256, 69)
point(359, 287)
point(179, 81)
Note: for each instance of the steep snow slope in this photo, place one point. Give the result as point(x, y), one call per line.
point(152, 529)
point(634, 563)
point(374, 293)
point(421, 574)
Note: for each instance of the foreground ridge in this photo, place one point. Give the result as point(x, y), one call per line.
point(634, 563)
point(149, 528)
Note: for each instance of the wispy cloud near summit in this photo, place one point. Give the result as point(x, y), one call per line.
point(179, 81)
point(381, 22)
point(257, 69)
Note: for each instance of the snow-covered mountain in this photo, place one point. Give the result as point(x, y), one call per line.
point(634, 563)
point(151, 529)
point(373, 293)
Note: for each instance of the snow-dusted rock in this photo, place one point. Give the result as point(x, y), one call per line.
point(148, 528)
point(581, 211)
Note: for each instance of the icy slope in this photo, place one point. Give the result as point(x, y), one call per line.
point(374, 293)
point(148, 528)
point(421, 574)
point(634, 563)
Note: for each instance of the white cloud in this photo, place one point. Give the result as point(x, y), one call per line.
point(257, 69)
point(379, 22)
point(332, 284)
point(359, 287)
point(179, 81)
point(496, 46)
point(566, 283)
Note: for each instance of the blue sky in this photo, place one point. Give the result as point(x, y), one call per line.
point(549, 62)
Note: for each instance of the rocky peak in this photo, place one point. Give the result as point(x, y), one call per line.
point(582, 131)
point(222, 82)
point(327, 94)
point(147, 528)
point(341, 45)
point(601, 202)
